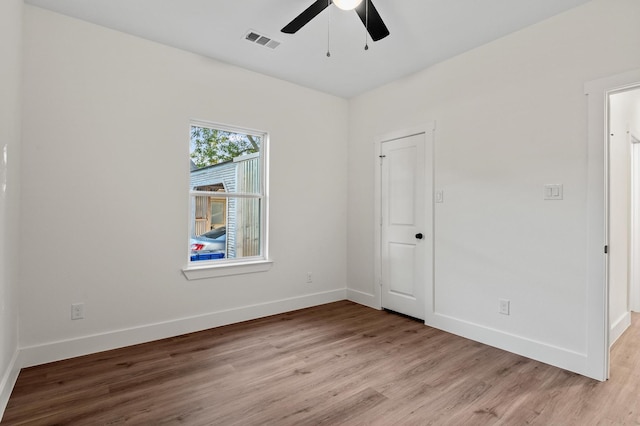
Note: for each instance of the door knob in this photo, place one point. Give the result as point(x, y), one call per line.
point(419, 235)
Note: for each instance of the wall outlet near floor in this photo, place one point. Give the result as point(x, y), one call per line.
point(309, 277)
point(504, 306)
point(77, 311)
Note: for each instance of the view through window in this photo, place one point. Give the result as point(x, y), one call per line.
point(227, 194)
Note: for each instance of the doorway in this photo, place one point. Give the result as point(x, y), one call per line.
point(598, 315)
point(623, 134)
point(405, 214)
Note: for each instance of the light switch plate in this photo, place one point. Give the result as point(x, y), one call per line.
point(553, 191)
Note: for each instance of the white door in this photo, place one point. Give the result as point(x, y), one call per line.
point(406, 235)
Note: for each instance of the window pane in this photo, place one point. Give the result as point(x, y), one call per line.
point(210, 147)
point(218, 212)
point(239, 238)
point(244, 228)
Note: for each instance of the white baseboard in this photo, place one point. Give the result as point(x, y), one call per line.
point(55, 351)
point(619, 327)
point(8, 381)
point(549, 354)
point(362, 298)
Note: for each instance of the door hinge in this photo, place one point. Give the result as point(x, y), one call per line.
point(606, 249)
point(382, 157)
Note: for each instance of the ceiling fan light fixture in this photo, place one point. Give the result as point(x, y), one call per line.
point(347, 4)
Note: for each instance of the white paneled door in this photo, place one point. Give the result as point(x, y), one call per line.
point(406, 224)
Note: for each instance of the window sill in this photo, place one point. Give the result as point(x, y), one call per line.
point(199, 272)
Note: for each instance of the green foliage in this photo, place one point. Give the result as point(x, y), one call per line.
point(212, 146)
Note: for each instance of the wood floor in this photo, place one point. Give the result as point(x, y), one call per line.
point(337, 364)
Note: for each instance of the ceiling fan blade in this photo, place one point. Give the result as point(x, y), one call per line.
point(377, 29)
point(306, 16)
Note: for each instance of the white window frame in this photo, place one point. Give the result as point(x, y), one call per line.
point(224, 267)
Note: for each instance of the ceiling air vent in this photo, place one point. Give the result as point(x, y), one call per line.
point(260, 39)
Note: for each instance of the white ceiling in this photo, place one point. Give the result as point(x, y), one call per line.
point(423, 33)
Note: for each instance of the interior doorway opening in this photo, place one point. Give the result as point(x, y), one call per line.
point(598, 316)
point(623, 201)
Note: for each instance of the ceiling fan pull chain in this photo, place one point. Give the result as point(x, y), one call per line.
point(329, 29)
point(366, 25)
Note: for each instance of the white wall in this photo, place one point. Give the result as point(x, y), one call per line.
point(511, 117)
point(105, 180)
point(105, 174)
point(10, 112)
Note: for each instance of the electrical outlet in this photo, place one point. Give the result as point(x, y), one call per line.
point(77, 311)
point(309, 277)
point(553, 191)
point(504, 306)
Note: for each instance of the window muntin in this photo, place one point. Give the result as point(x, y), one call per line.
point(227, 191)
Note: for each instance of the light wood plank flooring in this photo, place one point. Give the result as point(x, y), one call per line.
point(336, 364)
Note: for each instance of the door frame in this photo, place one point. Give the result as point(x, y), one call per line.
point(597, 312)
point(428, 129)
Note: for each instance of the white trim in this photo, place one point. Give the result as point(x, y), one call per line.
point(64, 349)
point(377, 224)
point(539, 351)
point(362, 298)
point(8, 382)
point(634, 255)
point(597, 318)
point(201, 271)
point(224, 194)
point(619, 327)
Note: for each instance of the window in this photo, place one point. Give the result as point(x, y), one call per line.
point(228, 204)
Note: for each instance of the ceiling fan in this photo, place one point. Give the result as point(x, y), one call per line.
point(365, 9)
